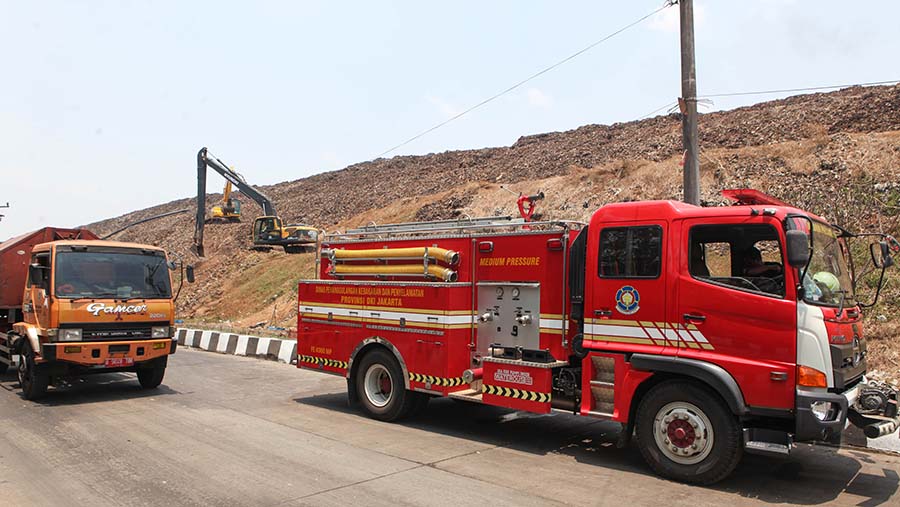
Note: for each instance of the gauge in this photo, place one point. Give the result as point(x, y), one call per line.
point(499, 292)
point(515, 293)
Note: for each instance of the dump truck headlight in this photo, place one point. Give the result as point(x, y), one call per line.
point(69, 335)
point(160, 332)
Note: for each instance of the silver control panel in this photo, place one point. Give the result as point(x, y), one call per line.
point(509, 314)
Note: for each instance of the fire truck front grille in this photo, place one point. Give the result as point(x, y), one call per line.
point(114, 331)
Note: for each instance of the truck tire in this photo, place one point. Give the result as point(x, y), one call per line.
point(3, 368)
point(32, 377)
point(686, 433)
point(380, 387)
point(151, 377)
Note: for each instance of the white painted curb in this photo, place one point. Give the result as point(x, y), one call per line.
point(274, 349)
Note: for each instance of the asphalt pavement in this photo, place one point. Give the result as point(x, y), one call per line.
point(228, 430)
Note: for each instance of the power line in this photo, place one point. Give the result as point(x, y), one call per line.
point(790, 90)
point(668, 3)
point(671, 105)
point(651, 113)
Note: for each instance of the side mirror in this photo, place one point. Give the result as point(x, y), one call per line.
point(35, 274)
point(881, 254)
point(797, 248)
point(189, 272)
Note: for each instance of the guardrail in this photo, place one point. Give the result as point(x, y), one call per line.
point(274, 349)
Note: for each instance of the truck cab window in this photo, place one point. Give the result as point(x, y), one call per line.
point(42, 260)
point(745, 256)
point(630, 252)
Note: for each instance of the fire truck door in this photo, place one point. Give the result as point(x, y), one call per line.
point(734, 307)
point(626, 303)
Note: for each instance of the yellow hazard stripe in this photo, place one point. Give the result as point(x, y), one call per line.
point(436, 381)
point(519, 394)
point(323, 361)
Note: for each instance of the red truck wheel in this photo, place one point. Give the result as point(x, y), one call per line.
point(32, 379)
point(380, 387)
point(686, 433)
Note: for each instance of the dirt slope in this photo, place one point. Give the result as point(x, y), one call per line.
point(837, 154)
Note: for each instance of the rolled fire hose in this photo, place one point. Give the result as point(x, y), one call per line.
point(445, 274)
point(439, 254)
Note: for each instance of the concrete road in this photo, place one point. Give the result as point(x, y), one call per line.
point(226, 430)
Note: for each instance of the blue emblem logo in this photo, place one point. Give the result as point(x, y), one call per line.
point(627, 299)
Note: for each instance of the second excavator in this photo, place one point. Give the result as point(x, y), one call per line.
point(268, 230)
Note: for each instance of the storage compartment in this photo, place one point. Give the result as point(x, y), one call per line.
point(517, 384)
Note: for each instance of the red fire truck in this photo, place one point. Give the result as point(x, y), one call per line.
point(705, 331)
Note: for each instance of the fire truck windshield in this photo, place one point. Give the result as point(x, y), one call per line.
point(827, 280)
point(119, 275)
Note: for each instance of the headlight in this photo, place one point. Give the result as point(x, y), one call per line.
point(69, 335)
point(823, 410)
point(159, 332)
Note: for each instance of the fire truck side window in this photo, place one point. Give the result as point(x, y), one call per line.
point(630, 252)
point(745, 256)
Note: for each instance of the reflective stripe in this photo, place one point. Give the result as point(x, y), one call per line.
point(648, 333)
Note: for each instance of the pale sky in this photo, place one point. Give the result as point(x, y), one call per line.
point(103, 105)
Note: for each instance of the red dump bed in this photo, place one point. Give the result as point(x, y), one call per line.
point(15, 254)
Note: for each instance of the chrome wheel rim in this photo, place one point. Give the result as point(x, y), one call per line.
point(683, 433)
point(378, 385)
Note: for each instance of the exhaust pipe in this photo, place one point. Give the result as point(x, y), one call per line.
point(437, 254)
point(881, 429)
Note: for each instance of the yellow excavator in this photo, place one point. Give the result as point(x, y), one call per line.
point(268, 230)
point(229, 211)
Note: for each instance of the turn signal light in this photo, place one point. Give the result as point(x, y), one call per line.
point(159, 345)
point(811, 377)
point(71, 349)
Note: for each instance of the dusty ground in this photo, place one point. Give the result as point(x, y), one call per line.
point(225, 430)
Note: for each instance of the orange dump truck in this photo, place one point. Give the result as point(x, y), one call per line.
point(71, 304)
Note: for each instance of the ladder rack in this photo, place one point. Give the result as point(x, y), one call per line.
point(458, 225)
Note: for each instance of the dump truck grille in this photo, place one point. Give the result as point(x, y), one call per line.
point(115, 331)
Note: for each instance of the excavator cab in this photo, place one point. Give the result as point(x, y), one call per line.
point(267, 231)
point(229, 211)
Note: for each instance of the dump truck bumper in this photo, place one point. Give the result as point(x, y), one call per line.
point(112, 354)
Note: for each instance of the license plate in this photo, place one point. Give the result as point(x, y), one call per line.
point(119, 362)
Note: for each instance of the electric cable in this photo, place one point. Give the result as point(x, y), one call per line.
point(667, 4)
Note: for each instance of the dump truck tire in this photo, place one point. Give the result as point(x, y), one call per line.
point(151, 377)
point(32, 377)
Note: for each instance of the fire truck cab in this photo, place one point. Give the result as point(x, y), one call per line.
point(704, 331)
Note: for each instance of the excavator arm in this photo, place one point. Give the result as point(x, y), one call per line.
point(226, 194)
point(207, 160)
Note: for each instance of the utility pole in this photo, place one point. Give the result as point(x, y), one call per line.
point(688, 103)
